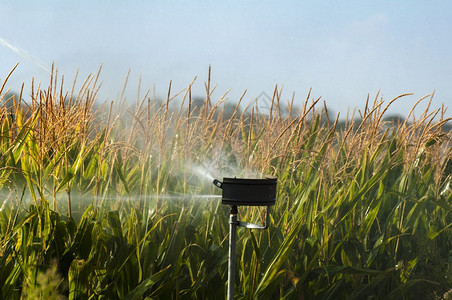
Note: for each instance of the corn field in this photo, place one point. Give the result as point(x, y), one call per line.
point(108, 201)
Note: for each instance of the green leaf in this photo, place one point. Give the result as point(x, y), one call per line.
point(273, 273)
point(147, 284)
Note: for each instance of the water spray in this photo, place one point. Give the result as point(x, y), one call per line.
point(24, 54)
point(244, 192)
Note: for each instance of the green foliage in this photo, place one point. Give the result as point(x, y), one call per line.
point(362, 212)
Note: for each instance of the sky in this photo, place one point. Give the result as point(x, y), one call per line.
point(342, 50)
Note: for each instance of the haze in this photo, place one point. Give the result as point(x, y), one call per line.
point(343, 50)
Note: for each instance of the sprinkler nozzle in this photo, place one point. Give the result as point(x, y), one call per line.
point(217, 183)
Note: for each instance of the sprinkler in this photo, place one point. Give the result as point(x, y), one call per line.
point(244, 192)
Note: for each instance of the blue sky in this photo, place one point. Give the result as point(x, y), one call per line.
point(343, 50)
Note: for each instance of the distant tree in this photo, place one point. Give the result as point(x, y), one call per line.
point(447, 127)
point(197, 104)
point(393, 120)
point(8, 99)
point(228, 110)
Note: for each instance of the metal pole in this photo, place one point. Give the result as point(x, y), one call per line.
point(232, 239)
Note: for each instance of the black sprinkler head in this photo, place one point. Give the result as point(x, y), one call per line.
point(248, 192)
point(218, 183)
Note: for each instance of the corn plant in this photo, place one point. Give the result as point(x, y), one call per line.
point(105, 199)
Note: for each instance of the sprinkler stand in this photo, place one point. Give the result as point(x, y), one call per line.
point(233, 223)
point(244, 192)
